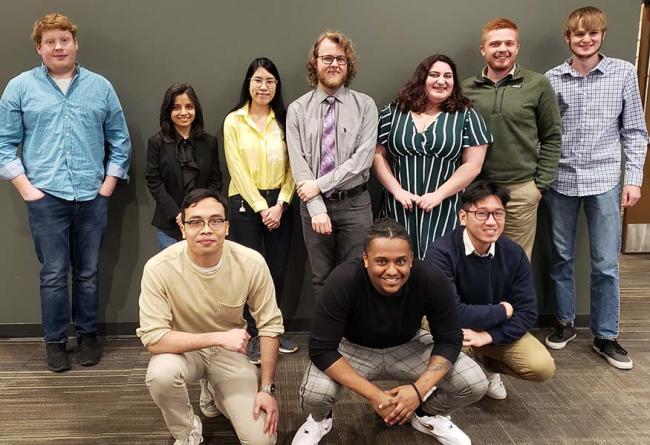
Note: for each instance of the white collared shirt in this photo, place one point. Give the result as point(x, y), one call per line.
point(471, 250)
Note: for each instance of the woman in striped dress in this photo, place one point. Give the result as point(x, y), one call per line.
point(431, 145)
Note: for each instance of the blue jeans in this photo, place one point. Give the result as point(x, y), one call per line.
point(164, 240)
point(604, 226)
point(65, 233)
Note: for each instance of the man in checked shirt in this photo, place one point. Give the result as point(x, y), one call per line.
point(601, 111)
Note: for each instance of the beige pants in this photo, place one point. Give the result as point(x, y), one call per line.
point(235, 384)
point(521, 219)
point(526, 359)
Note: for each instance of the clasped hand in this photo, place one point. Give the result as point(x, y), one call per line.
point(409, 200)
point(397, 405)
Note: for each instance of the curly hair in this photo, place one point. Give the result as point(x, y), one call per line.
point(52, 21)
point(413, 98)
point(340, 39)
point(386, 228)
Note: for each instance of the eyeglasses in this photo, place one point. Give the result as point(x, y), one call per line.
point(328, 60)
point(258, 82)
point(199, 224)
point(483, 215)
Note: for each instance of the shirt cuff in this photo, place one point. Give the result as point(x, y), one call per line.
point(117, 171)
point(633, 178)
point(316, 206)
point(12, 169)
point(260, 205)
point(324, 184)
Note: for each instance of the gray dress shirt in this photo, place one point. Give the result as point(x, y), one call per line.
point(356, 138)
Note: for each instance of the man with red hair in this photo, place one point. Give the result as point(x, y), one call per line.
point(75, 146)
point(521, 111)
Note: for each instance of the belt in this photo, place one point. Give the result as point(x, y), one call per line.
point(349, 193)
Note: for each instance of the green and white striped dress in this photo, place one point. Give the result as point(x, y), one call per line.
point(421, 162)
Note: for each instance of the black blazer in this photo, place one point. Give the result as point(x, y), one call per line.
point(164, 177)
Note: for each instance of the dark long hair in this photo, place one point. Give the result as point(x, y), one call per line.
point(277, 104)
point(412, 97)
point(166, 125)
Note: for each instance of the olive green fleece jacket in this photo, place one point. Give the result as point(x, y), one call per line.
point(522, 113)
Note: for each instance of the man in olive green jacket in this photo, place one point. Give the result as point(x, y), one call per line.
point(521, 110)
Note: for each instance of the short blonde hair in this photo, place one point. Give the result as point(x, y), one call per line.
point(340, 39)
point(499, 23)
point(52, 21)
point(588, 18)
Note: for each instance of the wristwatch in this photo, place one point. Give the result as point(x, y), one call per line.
point(269, 389)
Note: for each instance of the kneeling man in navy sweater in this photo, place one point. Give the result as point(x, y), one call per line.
point(494, 290)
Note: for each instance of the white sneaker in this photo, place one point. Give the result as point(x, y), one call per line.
point(442, 428)
point(496, 389)
point(311, 432)
point(206, 399)
point(195, 437)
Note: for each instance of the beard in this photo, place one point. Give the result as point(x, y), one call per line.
point(332, 82)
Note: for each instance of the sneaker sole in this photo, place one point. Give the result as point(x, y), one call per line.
point(615, 363)
point(289, 351)
point(255, 362)
point(60, 368)
point(560, 345)
point(496, 396)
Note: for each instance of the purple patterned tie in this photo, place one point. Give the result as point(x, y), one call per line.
point(328, 139)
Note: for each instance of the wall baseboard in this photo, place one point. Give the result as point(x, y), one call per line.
point(127, 328)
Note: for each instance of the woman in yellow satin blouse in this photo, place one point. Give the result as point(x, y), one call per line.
point(261, 184)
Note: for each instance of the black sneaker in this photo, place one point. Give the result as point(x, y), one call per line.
point(563, 334)
point(57, 357)
point(89, 351)
point(613, 353)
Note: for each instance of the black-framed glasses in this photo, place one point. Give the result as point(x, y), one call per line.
point(328, 60)
point(199, 224)
point(483, 215)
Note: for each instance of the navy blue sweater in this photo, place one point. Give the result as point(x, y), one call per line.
point(483, 282)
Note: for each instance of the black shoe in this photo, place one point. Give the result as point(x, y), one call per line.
point(613, 353)
point(563, 334)
point(89, 351)
point(57, 357)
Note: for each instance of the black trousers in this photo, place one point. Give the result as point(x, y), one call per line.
point(247, 228)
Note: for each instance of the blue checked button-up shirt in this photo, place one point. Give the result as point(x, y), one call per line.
point(600, 112)
point(70, 142)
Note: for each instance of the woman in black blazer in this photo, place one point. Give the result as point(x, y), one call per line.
point(180, 158)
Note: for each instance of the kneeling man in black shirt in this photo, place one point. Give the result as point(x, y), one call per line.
point(366, 327)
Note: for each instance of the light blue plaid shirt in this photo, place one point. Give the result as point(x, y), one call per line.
point(70, 142)
point(600, 113)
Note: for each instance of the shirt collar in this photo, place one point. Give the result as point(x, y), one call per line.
point(510, 74)
point(602, 66)
point(76, 70)
point(243, 111)
point(470, 250)
point(339, 94)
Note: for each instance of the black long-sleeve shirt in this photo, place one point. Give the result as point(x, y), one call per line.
point(351, 307)
point(483, 282)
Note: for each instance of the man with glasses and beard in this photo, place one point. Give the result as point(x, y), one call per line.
point(331, 136)
point(191, 318)
point(494, 288)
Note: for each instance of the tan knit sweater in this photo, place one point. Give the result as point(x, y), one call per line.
point(176, 295)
